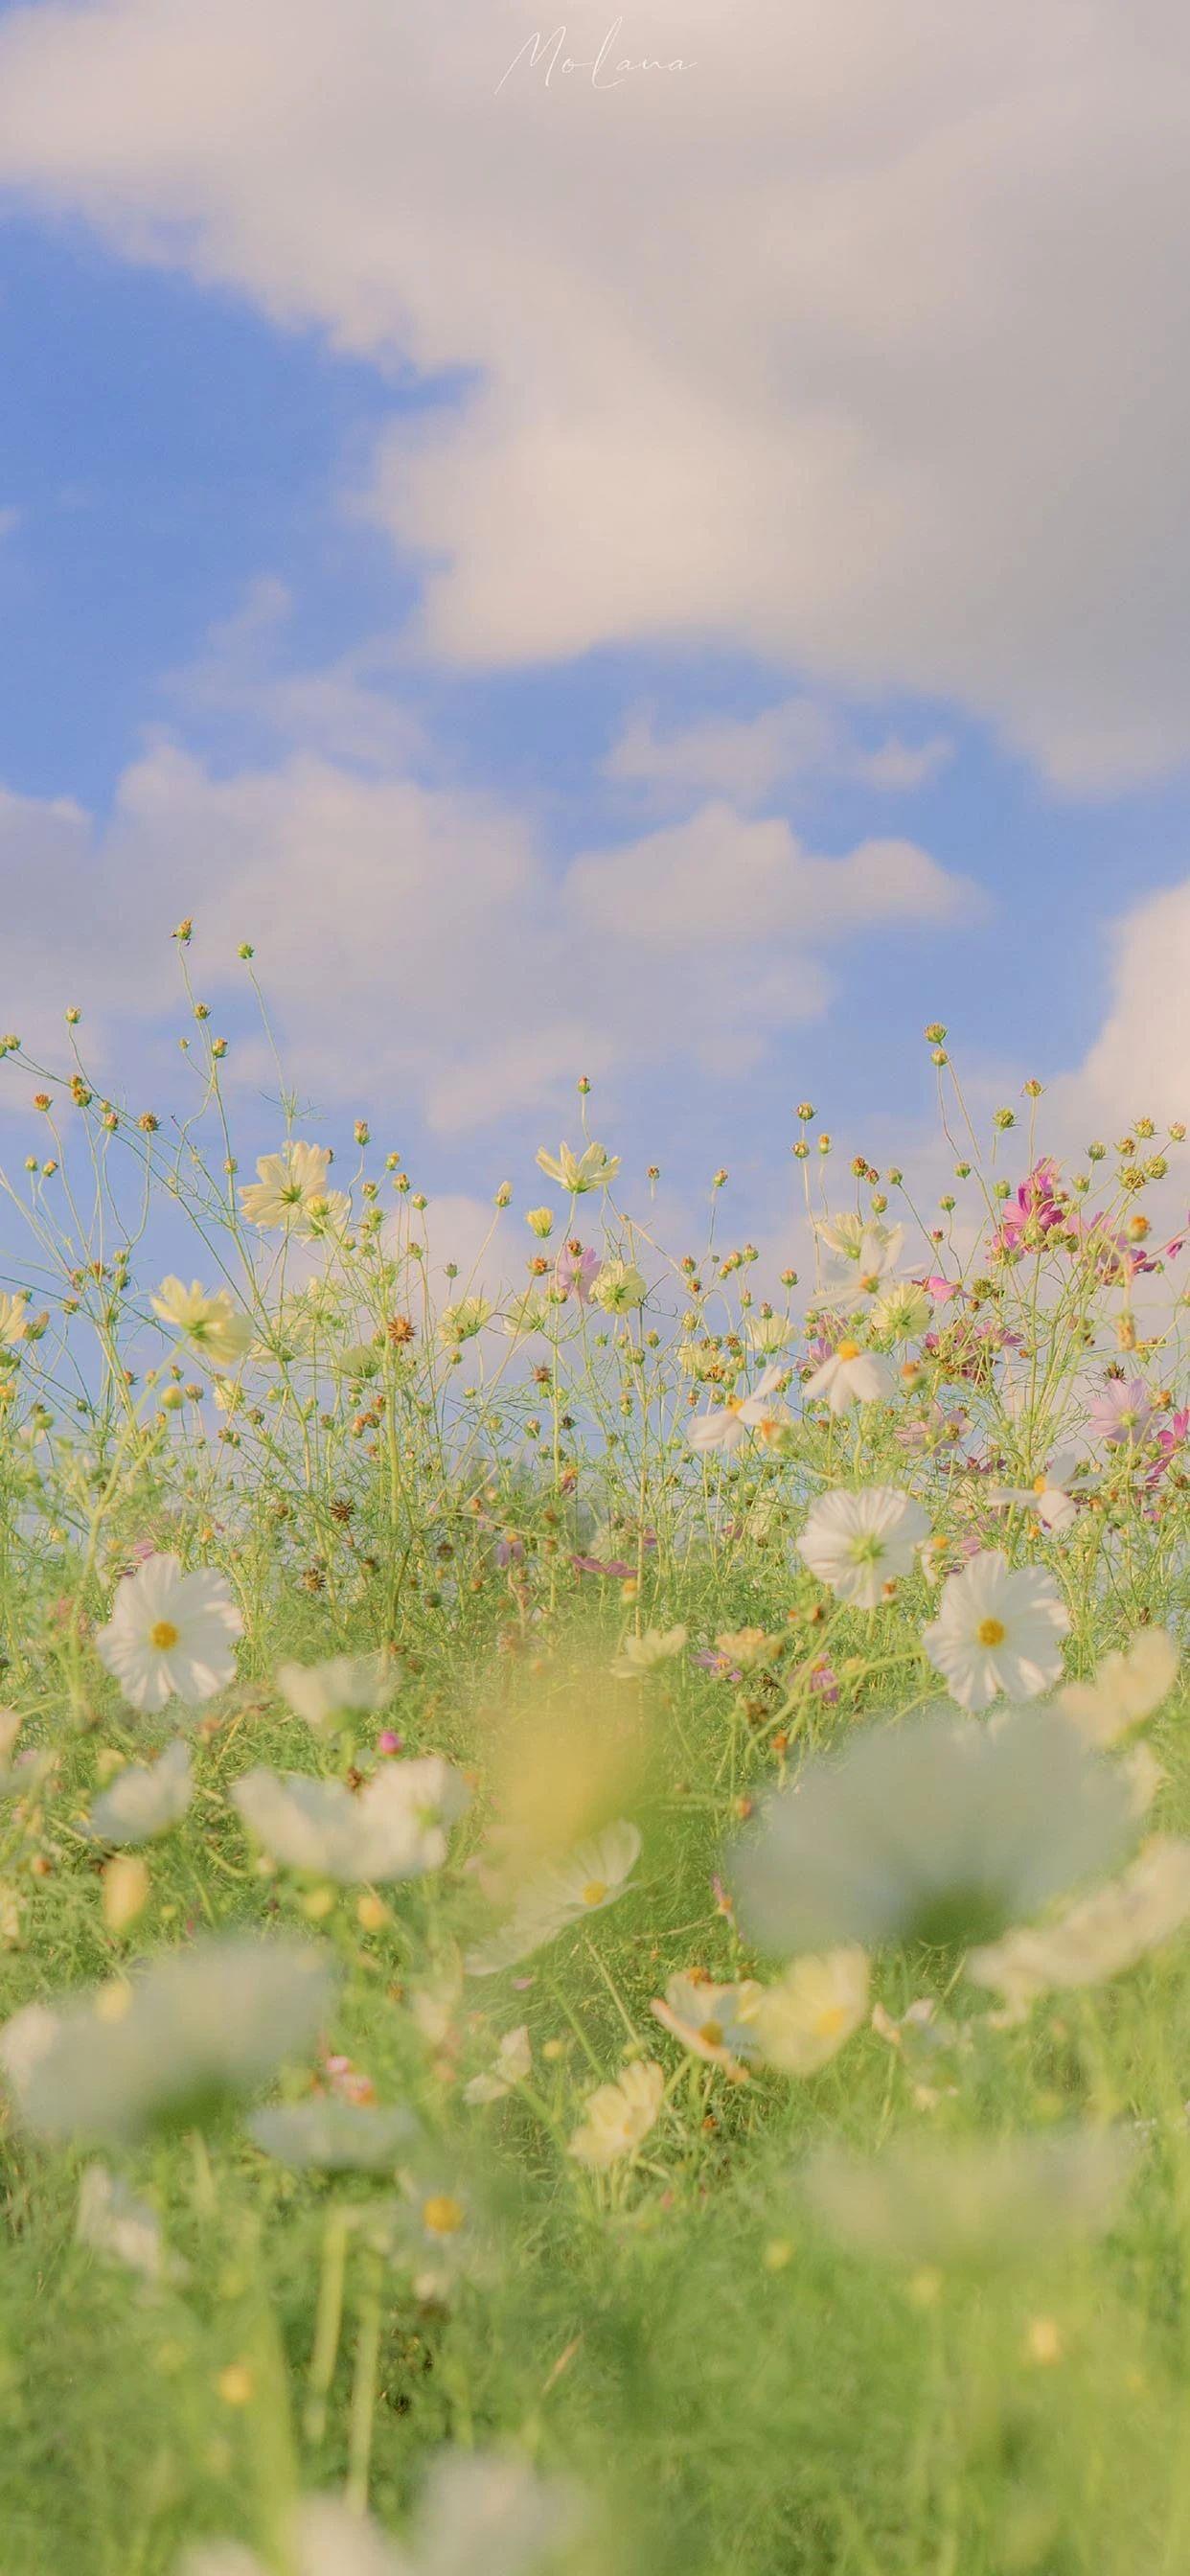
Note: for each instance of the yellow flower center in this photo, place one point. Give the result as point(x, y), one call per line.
point(163, 1635)
point(594, 1891)
point(991, 1632)
point(847, 1351)
point(870, 1280)
point(829, 2020)
point(442, 2215)
point(1040, 1484)
point(712, 2033)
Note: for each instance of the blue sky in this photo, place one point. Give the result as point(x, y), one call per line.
point(305, 546)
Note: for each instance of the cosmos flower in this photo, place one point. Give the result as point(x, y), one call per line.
point(804, 2019)
point(981, 2202)
point(1047, 1495)
point(997, 1631)
point(903, 1312)
point(14, 1320)
point(344, 1687)
point(591, 1877)
point(462, 1321)
point(618, 2117)
point(328, 2136)
point(1127, 1688)
point(713, 2022)
point(144, 1800)
point(1120, 1412)
point(395, 1828)
point(512, 2064)
point(593, 1169)
point(166, 2048)
point(291, 1190)
point(863, 1273)
point(1098, 1937)
point(768, 1334)
point(576, 1270)
point(728, 1426)
point(639, 1655)
point(849, 1376)
point(477, 2511)
point(213, 1325)
point(860, 1542)
point(848, 1235)
point(619, 1288)
point(930, 1831)
point(170, 1633)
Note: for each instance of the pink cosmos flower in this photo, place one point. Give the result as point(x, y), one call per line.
point(575, 1270)
point(1169, 1441)
point(1121, 1412)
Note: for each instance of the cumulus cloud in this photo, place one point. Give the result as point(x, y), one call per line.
point(1139, 1064)
point(748, 757)
point(835, 346)
point(414, 935)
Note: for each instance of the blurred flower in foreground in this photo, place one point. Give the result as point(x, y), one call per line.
point(327, 2136)
point(346, 1686)
point(859, 1542)
point(593, 1169)
point(618, 2117)
point(477, 2511)
point(1127, 1688)
point(170, 1632)
point(849, 1376)
point(395, 1828)
point(997, 1630)
point(930, 1831)
point(512, 2064)
point(168, 2048)
point(728, 1425)
point(113, 2221)
point(1099, 1937)
point(638, 1655)
point(803, 2020)
point(715, 2023)
point(972, 2202)
point(144, 1800)
point(213, 1324)
point(588, 1879)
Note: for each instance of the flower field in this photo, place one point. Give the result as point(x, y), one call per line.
point(594, 1860)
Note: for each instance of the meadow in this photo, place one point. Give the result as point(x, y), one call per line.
point(594, 1870)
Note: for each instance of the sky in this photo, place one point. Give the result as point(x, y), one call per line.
point(673, 569)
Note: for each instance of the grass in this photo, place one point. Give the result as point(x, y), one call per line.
point(732, 2390)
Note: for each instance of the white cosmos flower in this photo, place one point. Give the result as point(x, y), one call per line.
point(864, 1273)
point(170, 1633)
point(850, 1376)
point(1099, 1937)
point(513, 2064)
point(477, 2511)
point(619, 1287)
point(394, 1828)
point(860, 1542)
point(213, 1324)
point(903, 1312)
point(291, 1190)
point(846, 1235)
point(345, 1686)
point(593, 1169)
point(164, 2048)
point(997, 1631)
point(728, 1426)
point(145, 1799)
point(462, 1321)
point(1047, 1495)
point(803, 2020)
point(638, 1655)
point(975, 2201)
point(931, 1830)
point(590, 1877)
point(1128, 1687)
point(325, 2136)
point(618, 2117)
point(768, 1333)
point(715, 2023)
point(14, 1319)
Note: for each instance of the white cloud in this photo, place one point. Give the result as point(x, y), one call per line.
point(343, 711)
point(1139, 1065)
point(840, 346)
point(747, 757)
point(414, 938)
